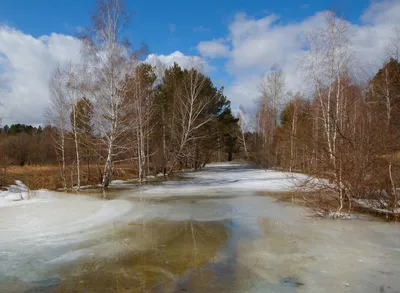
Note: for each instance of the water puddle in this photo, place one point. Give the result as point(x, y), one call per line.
point(181, 237)
point(167, 256)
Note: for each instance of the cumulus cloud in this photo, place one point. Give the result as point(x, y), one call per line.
point(252, 47)
point(184, 61)
point(213, 49)
point(260, 44)
point(382, 12)
point(26, 65)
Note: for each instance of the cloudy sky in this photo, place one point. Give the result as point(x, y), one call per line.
point(236, 41)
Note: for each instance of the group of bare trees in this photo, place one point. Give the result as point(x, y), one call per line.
point(343, 131)
point(272, 99)
point(120, 110)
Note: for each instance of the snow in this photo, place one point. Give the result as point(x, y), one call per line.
point(274, 241)
point(19, 194)
point(374, 206)
point(341, 215)
point(116, 182)
point(223, 176)
point(37, 234)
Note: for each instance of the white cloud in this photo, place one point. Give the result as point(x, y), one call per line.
point(243, 90)
point(258, 45)
point(263, 43)
point(382, 12)
point(213, 49)
point(253, 46)
point(26, 65)
point(178, 57)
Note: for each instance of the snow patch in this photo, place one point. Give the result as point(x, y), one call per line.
point(19, 193)
point(227, 176)
point(337, 215)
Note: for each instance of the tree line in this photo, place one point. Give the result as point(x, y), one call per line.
point(343, 130)
point(112, 109)
point(116, 109)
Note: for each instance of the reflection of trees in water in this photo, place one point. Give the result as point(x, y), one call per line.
point(158, 253)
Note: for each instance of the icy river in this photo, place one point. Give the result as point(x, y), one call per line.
point(208, 232)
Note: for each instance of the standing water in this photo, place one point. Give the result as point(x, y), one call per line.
point(209, 232)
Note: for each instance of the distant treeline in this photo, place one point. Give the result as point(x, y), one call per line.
point(22, 144)
point(20, 128)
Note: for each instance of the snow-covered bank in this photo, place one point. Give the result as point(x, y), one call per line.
point(377, 206)
point(227, 176)
point(19, 193)
point(37, 233)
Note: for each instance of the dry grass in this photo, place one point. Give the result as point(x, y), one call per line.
point(48, 176)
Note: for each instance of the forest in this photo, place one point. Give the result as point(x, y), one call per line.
point(156, 127)
point(112, 113)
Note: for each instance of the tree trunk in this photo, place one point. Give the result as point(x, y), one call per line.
point(63, 168)
point(107, 168)
point(78, 166)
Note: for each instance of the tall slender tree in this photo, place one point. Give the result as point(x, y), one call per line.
point(109, 62)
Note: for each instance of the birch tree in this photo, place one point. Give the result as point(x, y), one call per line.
point(57, 115)
point(326, 64)
point(109, 62)
point(244, 127)
point(272, 89)
point(72, 95)
point(143, 109)
point(191, 105)
point(273, 92)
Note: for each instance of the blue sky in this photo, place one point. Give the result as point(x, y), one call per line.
point(165, 26)
point(238, 41)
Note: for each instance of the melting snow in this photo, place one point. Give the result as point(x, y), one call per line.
point(40, 234)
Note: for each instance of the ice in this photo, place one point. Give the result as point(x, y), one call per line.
point(49, 226)
point(232, 176)
point(16, 193)
point(277, 245)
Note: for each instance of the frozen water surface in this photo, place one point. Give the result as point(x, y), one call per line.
point(209, 232)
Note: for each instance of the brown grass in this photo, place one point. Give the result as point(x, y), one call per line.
point(48, 176)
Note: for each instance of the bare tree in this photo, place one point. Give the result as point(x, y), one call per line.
point(326, 65)
point(293, 129)
point(143, 111)
point(273, 94)
point(273, 91)
point(244, 127)
point(72, 94)
point(109, 62)
point(191, 105)
point(57, 115)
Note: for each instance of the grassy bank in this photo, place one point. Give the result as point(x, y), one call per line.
point(48, 176)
